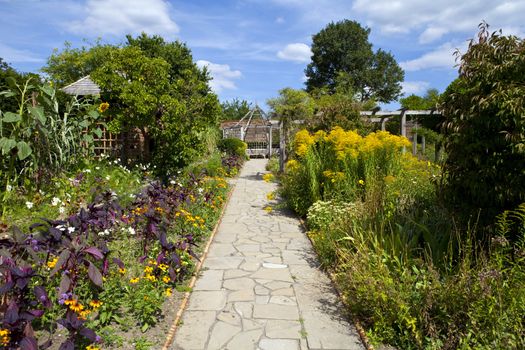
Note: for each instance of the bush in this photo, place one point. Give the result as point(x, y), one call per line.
point(485, 128)
point(233, 146)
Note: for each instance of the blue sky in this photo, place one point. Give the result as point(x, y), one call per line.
point(253, 48)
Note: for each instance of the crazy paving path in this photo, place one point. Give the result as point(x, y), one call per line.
point(260, 287)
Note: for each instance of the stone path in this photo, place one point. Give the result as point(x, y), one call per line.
point(259, 287)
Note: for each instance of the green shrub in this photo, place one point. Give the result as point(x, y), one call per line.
point(484, 125)
point(233, 146)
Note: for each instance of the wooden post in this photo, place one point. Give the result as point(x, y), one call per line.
point(403, 126)
point(282, 147)
point(423, 145)
point(270, 143)
point(414, 142)
point(383, 124)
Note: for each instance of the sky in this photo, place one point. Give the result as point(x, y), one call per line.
point(254, 48)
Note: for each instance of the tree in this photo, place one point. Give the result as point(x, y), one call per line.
point(415, 102)
point(152, 85)
point(485, 129)
point(343, 48)
point(235, 109)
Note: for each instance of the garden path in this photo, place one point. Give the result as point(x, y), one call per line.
point(260, 287)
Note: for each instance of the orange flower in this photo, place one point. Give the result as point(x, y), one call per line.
point(103, 107)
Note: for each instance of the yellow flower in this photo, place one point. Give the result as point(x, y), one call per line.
point(122, 271)
point(163, 267)
point(302, 141)
point(103, 107)
point(150, 278)
point(166, 279)
point(76, 307)
point(168, 292)
point(148, 269)
point(270, 196)
point(268, 209)
point(51, 264)
point(4, 336)
point(268, 177)
point(361, 182)
point(134, 280)
point(92, 347)
point(84, 314)
point(95, 304)
point(292, 165)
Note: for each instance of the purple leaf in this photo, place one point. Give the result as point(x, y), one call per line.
point(28, 343)
point(6, 287)
point(88, 333)
point(94, 274)
point(41, 295)
point(118, 262)
point(95, 252)
point(67, 345)
point(62, 259)
point(11, 314)
point(65, 284)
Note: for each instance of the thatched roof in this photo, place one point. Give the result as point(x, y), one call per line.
point(82, 87)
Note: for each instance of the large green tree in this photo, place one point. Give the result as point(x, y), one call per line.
point(485, 128)
point(425, 102)
point(152, 85)
point(343, 49)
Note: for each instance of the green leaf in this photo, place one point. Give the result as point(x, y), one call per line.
point(98, 132)
point(10, 117)
point(24, 150)
point(38, 112)
point(7, 93)
point(84, 124)
point(6, 145)
point(93, 114)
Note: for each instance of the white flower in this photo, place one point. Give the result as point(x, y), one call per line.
point(104, 233)
point(131, 230)
point(172, 182)
point(132, 195)
point(55, 201)
point(29, 205)
point(87, 170)
point(70, 229)
point(107, 177)
point(200, 190)
point(62, 210)
point(9, 188)
point(61, 227)
point(97, 168)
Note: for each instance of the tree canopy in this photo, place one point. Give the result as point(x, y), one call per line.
point(235, 109)
point(415, 102)
point(341, 51)
point(152, 85)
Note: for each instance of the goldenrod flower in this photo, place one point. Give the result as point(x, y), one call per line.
point(268, 209)
point(103, 107)
point(268, 177)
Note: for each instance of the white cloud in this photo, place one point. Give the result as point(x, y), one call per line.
point(279, 20)
point(118, 17)
point(432, 20)
point(296, 52)
point(441, 58)
point(10, 55)
point(223, 76)
point(414, 87)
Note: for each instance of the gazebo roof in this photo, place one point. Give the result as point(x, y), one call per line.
point(82, 87)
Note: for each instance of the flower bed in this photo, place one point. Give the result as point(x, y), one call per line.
point(119, 248)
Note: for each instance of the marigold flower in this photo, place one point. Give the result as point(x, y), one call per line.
point(103, 107)
point(51, 264)
point(95, 304)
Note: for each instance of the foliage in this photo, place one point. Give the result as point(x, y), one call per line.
point(38, 140)
point(233, 146)
point(235, 109)
point(415, 102)
point(484, 128)
point(151, 85)
point(102, 260)
point(9, 76)
point(340, 164)
point(342, 54)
